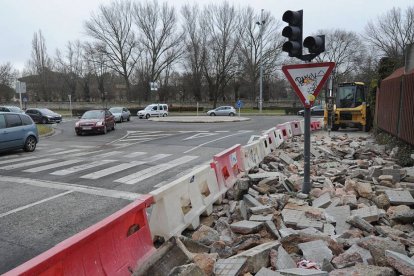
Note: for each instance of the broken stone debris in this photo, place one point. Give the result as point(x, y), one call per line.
point(357, 219)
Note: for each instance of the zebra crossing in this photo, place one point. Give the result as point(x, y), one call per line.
point(96, 164)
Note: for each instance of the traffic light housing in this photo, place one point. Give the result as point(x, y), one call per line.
point(315, 44)
point(293, 32)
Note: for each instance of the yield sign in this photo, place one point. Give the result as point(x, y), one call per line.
point(308, 79)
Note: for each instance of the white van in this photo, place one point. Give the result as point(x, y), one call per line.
point(153, 110)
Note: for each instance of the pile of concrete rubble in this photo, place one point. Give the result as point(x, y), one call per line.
point(357, 219)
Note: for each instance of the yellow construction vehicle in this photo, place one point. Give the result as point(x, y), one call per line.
point(348, 107)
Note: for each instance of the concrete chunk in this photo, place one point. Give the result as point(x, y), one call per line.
point(246, 227)
point(258, 256)
point(286, 158)
point(251, 201)
point(370, 213)
point(365, 254)
point(260, 210)
point(261, 218)
point(339, 215)
point(315, 251)
point(303, 272)
point(399, 197)
point(271, 227)
point(267, 272)
point(323, 201)
point(305, 222)
point(292, 217)
point(260, 176)
point(284, 260)
point(400, 262)
point(229, 267)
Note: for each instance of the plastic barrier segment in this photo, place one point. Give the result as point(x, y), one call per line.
point(271, 139)
point(285, 131)
point(296, 129)
point(252, 154)
point(313, 126)
point(302, 126)
point(114, 246)
point(179, 204)
point(289, 129)
point(279, 137)
point(228, 166)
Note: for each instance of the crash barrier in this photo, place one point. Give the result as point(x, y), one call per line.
point(317, 124)
point(228, 166)
point(252, 154)
point(302, 126)
point(114, 246)
point(286, 130)
point(179, 204)
point(313, 126)
point(271, 137)
point(296, 129)
point(264, 146)
point(279, 137)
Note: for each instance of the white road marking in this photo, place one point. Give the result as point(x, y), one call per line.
point(221, 138)
point(222, 131)
point(149, 172)
point(135, 154)
point(53, 150)
point(34, 204)
point(200, 135)
point(71, 187)
point(65, 152)
point(53, 166)
point(26, 164)
point(165, 182)
point(111, 153)
point(82, 167)
point(17, 159)
point(85, 153)
point(122, 167)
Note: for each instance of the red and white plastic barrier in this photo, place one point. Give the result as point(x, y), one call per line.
point(296, 128)
point(114, 246)
point(252, 154)
point(228, 166)
point(179, 204)
point(271, 137)
point(286, 130)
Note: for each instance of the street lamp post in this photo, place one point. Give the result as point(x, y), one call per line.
point(261, 23)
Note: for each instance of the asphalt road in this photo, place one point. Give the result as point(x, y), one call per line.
point(71, 182)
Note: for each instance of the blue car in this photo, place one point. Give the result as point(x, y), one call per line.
point(17, 131)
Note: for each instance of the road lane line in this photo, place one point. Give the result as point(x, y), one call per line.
point(124, 166)
point(103, 155)
point(53, 166)
point(66, 152)
point(34, 204)
point(17, 159)
point(221, 138)
point(82, 167)
point(27, 164)
point(149, 172)
point(71, 187)
point(135, 154)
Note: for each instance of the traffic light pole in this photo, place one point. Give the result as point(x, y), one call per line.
point(306, 187)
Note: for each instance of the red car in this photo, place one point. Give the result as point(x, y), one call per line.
point(95, 121)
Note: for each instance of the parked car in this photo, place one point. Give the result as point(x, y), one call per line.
point(316, 110)
point(121, 114)
point(7, 108)
point(153, 110)
point(17, 131)
point(222, 111)
point(95, 121)
point(44, 115)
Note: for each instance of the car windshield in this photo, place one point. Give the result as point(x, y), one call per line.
point(116, 109)
point(345, 96)
point(149, 107)
point(14, 109)
point(47, 111)
point(93, 114)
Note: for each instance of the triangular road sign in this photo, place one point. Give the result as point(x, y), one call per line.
point(308, 79)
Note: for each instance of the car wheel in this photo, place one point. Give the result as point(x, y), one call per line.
point(335, 127)
point(147, 116)
point(44, 121)
point(212, 114)
point(105, 130)
point(128, 119)
point(30, 144)
point(231, 114)
point(79, 133)
point(113, 127)
point(164, 115)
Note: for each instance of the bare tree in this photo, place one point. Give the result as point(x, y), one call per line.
point(194, 48)
point(220, 24)
point(159, 39)
point(345, 49)
point(391, 33)
point(71, 66)
point(41, 65)
point(112, 28)
point(249, 49)
point(7, 77)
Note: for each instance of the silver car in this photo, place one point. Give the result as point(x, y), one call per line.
point(121, 114)
point(222, 111)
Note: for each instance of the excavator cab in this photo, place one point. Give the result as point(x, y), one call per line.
point(350, 107)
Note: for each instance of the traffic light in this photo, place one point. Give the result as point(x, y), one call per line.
point(293, 32)
point(315, 44)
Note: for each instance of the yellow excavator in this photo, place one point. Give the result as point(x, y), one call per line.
point(348, 107)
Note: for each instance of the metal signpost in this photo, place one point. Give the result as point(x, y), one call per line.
point(20, 88)
point(307, 81)
point(239, 104)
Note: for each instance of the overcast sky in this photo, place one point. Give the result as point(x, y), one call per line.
point(62, 20)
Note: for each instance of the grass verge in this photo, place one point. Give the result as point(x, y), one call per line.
point(402, 150)
point(44, 129)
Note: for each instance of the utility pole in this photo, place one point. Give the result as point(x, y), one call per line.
point(261, 61)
